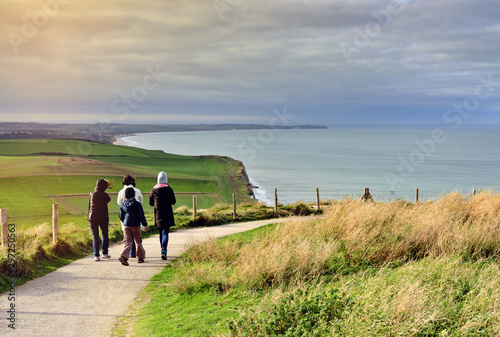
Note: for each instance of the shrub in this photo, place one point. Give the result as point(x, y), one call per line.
point(300, 208)
point(202, 219)
point(62, 248)
point(183, 210)
point(220, 207)
point(115, 234)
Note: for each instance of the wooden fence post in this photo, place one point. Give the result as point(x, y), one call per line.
point(234, 206)
point(55, 223)
point(366, 195)
point(194, 206)
point(5, 231)
point(275, 200)
point(416, 196)
point(317, 196)
point(473, 192)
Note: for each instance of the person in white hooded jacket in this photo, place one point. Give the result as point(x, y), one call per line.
point(129, 181)
point(162, 197)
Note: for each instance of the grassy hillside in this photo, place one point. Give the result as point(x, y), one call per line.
point(365, 269)
point(34, 174)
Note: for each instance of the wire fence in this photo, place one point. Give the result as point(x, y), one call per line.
point(23, 218)
point(286, 197)
point(281, 197)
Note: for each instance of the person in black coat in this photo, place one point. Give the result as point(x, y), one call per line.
point(99, 218)
point(162, 197)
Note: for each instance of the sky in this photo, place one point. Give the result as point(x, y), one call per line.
point(327, 62)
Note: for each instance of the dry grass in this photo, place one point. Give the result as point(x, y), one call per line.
point(426, 269)
point(35, 253)
point(351, 235)
point(385, 232)
point(427, 297)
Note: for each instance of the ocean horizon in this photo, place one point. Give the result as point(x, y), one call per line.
point(341, 161)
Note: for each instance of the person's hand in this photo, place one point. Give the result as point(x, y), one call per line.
point(146, 229)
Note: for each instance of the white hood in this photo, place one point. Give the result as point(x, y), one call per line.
point(162, 178)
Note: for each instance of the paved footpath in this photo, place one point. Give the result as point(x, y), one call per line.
point(85, 298)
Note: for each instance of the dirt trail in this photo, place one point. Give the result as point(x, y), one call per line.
point(85, 298)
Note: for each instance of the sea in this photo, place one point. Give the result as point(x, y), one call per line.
point(392, 162)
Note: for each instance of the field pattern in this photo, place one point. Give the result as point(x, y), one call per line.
point(34, 174)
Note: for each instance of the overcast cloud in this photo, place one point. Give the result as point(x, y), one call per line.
point(329, 62)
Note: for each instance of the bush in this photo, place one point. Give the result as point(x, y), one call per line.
point(183, 210)
point(300, 208)
point(202, 219)
point(115, 234)
point(220, 207)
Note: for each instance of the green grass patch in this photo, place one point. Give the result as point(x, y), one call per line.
point(34, 174)
point(19, 166)
point(201, 314)
point(128, 160)
point(23, 147)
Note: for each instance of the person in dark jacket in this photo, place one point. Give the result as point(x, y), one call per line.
point(129, 181)
point(162, 197)
point(132, 215)
point(98, 217)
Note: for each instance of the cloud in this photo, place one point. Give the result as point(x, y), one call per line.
point(421, 56)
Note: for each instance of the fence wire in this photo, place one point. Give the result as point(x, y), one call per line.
point(286, 197)
point(26, 219)
point(22, 218)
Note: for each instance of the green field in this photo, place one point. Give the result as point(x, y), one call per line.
point(34, 174)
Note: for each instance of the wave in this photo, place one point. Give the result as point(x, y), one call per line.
point(127, 141)
point(260, 193)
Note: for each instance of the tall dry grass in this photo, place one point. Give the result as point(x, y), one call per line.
point(386, 232)
point(351, 235)
point(428, 297)
point(34, 250)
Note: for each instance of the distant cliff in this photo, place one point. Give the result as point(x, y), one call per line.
point(243, 176)
point(106, 132)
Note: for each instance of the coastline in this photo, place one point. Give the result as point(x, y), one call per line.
point(242, 175)
point(118, 141)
